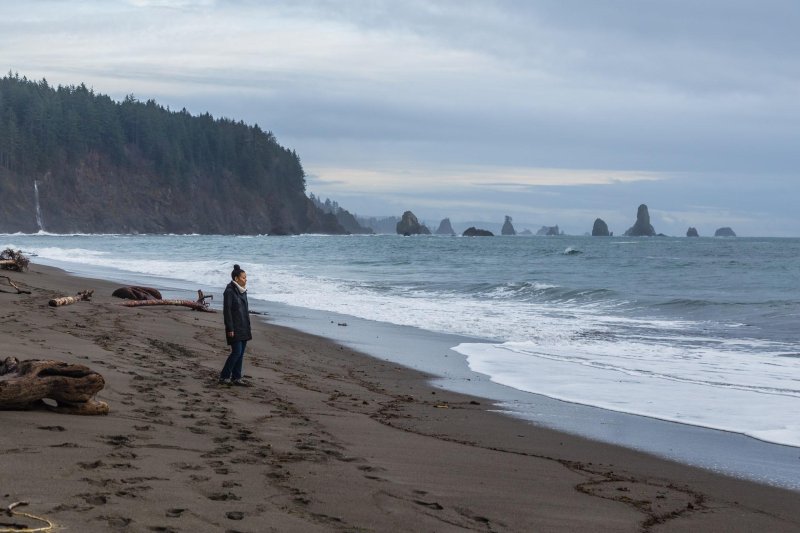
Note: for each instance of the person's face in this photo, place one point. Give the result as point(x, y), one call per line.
point(241, 279)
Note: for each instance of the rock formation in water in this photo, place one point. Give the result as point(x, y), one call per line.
point(526, 231)
point(549, 230)
point(472, 231)
point(409, 225)
point(600, 228)
point(692, 232)
point(445, 228)
point(642, 227)
point(724, 232)
point(508, 227)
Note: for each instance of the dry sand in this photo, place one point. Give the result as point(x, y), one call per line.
point(326, 440)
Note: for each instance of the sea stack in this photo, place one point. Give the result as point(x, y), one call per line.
point(724, 232)
point(508, 227)
point(409, 225)
point(692, 232)
point(445, 228)
point(600, 228)
point(549, 230)
point(642, 227)
point(472, 231)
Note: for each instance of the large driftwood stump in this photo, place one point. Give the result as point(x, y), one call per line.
point(26, 384)
point(11, 260)
point(83, 296)
point(199, 305)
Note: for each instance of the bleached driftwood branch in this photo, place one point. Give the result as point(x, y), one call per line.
point(83, 296)
point(12, 284)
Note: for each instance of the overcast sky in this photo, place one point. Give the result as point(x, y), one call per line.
point(551, 111)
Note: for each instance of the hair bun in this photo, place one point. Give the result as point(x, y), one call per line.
point(236, 267)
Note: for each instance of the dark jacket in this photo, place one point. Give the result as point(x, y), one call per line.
point(236, 313)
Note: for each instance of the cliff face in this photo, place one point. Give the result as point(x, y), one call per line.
point(102, 166)
point(96, 196)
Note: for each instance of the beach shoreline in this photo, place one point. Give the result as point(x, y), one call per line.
point(327, 439)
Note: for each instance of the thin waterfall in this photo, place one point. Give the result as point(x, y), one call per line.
point(38, 208)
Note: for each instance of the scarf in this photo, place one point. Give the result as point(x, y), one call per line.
point(242, 290)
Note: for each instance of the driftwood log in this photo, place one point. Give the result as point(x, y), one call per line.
point(199, 305)
point(26, 384)
point(13, 260)
point(137, 293)
point(12, 284)
point(83, 296)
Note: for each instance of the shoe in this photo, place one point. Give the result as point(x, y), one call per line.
point(240, 383)
point(223, 382)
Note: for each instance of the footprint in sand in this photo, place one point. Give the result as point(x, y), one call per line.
point(116, 521)
point(224, 497)
point(95, 499)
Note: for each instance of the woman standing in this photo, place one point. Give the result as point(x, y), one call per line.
point(237, 327)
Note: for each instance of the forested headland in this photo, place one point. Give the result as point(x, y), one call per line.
point(106, 166)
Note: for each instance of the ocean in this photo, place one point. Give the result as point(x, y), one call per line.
point(698, 331)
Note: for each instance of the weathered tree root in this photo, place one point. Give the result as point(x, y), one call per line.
point(26, 384)
point(199, 305)
point(83, 296)
point(13, 260)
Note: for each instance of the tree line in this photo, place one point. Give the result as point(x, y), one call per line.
point(44, 127)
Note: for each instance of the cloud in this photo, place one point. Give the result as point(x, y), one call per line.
point(688, 102)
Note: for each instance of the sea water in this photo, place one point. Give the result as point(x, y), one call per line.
point(699, 331)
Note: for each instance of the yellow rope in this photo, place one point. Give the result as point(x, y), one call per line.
point(49, 526)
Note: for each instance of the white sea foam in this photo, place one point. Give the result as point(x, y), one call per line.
point(573, 351)
point(740, 390)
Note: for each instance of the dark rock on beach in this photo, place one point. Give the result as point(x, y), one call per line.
point(692, 232)
point(472, 231)
point(409, 225)
point(642, 227)
point(600, 228)
point(724, 232)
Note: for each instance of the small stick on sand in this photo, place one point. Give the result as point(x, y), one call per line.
point(10, 282)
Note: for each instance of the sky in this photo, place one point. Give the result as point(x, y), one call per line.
point(549, 111)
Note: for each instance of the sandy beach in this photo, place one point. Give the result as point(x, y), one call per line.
point(326, 439)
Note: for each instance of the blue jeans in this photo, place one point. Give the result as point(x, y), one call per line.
point(233, 365)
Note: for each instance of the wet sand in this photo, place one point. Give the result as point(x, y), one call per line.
point(327, 439)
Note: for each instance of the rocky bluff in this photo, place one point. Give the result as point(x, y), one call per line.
point(72, 160)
